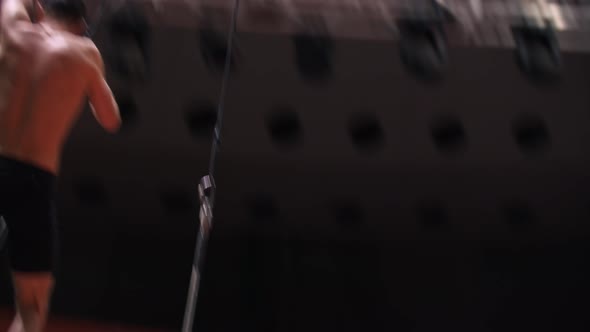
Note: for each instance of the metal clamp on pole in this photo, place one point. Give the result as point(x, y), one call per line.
point(206, 188)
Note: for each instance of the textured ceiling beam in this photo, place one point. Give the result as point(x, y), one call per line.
point(467, 22)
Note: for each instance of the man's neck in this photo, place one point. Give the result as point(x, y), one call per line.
point(55, 25)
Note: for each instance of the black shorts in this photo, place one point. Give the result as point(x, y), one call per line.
point(27, 205)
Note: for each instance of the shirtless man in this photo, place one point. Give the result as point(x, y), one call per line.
point(47, 70)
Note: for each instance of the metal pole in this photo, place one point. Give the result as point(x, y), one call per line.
point(207, 190)
point(205, 218)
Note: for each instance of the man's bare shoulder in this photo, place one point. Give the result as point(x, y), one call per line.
point(84, 45)
point(85, 49)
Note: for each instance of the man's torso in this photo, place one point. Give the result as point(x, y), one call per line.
point(42, 87)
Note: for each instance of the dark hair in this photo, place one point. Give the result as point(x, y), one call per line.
point(70, 10)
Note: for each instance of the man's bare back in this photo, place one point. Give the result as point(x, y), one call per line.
point(45, 76)
point(46, 72)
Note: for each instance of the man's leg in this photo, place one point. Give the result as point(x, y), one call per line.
point(31, 241)
point(32, 295)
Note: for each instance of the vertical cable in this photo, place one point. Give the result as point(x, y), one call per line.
point(223, 94)
point(207, 187)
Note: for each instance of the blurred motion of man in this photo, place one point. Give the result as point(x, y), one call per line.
point(47, 70)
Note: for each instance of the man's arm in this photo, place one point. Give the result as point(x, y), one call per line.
point(16, 11)
point(102, 102)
